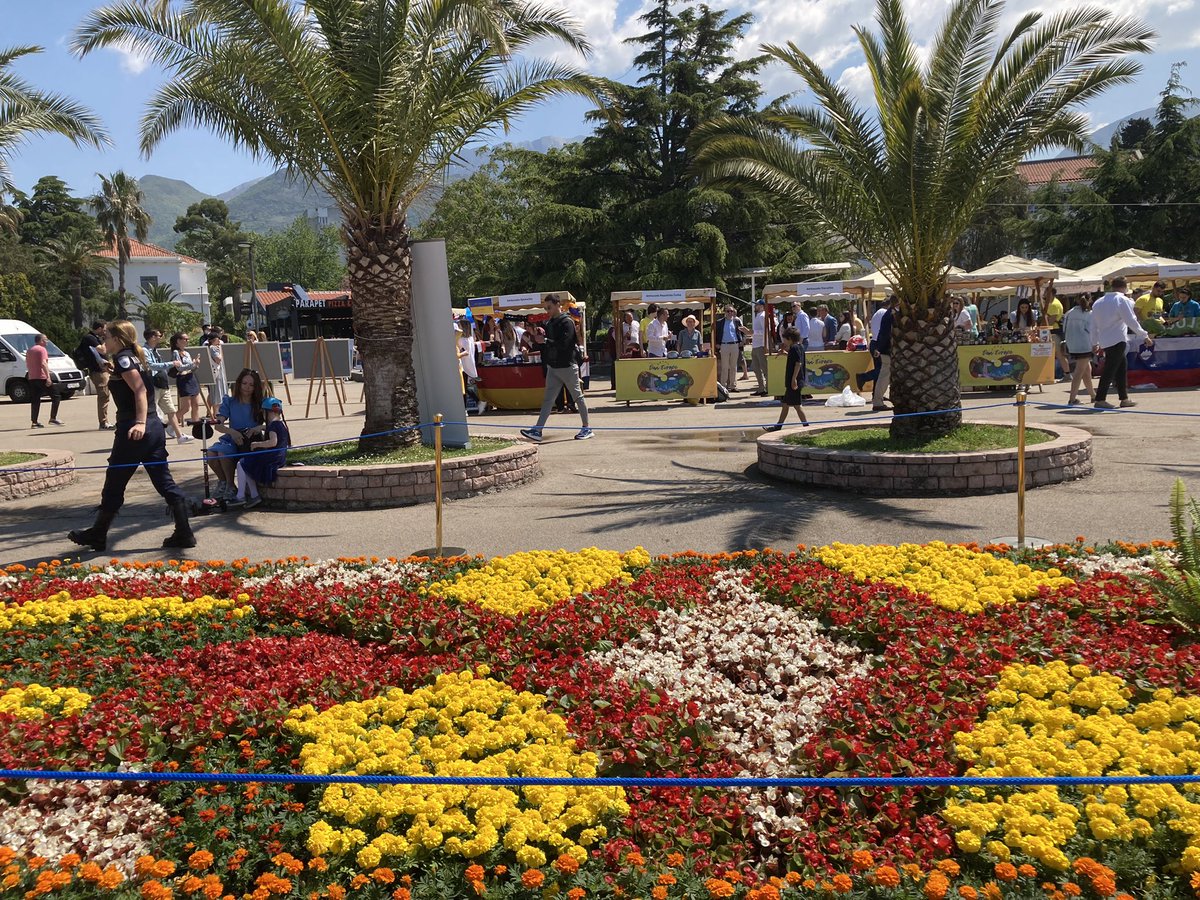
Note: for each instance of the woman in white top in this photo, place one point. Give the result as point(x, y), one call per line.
point(845, 330)
point(1077, 328)
point(962, 318)
point(216, 356)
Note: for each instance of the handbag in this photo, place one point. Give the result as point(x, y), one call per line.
point(160, 380)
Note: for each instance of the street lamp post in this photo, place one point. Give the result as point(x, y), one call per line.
point(253, 320)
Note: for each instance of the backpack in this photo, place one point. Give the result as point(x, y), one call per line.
point(82, 356)
point(560, 349)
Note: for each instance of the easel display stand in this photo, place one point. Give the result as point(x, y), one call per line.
point(323, 370)
point(253, 360)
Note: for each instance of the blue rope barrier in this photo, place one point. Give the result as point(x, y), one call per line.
point(629, 782)
point(1128, 412)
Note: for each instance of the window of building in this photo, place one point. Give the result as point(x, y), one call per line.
point(149, 281)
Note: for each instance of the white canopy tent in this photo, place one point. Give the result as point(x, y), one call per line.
point(1138, 266)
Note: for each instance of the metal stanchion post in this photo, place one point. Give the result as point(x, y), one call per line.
point(437, 476)
point(1021, 394)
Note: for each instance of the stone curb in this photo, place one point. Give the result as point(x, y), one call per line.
point(29, 479)
point(1065, 458)
point(400, 484)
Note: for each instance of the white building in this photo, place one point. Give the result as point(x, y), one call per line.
point(149, 264)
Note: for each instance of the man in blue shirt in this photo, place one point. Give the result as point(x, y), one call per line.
point(831, 325)
point(1184, 306)
point(727, 343)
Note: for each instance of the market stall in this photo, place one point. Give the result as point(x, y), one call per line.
point(1174, 360)
point(826, 371)
point(677, 377)
point(516, 382)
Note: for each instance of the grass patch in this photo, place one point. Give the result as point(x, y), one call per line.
point(348, 454)
point(11, 457)
point(878, 440)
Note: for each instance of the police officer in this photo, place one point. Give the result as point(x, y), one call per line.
point(139, 439)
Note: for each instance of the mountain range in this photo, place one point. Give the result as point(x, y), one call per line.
point(272, 203)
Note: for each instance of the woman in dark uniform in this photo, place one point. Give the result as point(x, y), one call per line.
point(139, 440)
point(793, 390)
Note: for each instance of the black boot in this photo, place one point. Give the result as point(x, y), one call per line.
point(95, 537)
point(182, 537)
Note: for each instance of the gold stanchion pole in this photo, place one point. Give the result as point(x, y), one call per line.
point(1021, 466)
point(437, 478)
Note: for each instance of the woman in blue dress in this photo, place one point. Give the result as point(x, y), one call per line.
point(237, 420)
point(186, 381)
point(266, 459)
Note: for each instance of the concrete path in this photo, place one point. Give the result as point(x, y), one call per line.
point(656, 484)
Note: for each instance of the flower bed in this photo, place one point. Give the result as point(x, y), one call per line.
point(912, 660)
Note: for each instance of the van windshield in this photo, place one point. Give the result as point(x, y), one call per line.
point(22, 342)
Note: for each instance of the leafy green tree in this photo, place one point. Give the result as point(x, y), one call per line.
point(904, 183)
point(50, 211)
point(209, 235)
point(1133, 133)
point(160, 309)
point(117, 205)
point(300, 254)
point(998, 230)
point(26, 111)
point(74, 254)
point(367, 100)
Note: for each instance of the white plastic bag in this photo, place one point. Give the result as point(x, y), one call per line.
point(845, 399)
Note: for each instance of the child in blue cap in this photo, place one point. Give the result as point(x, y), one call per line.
point(261, 467)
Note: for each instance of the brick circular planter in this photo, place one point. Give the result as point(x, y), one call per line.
point(1064, 458)
point(400, 484)
point(28, 479)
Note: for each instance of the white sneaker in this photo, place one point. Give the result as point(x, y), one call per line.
point(186, 439)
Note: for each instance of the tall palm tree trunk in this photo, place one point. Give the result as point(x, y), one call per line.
point(924, 374)
point(379, 264)
point(122, 312)
point(77, 299)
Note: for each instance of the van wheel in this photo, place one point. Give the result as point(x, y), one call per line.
point(18, 390)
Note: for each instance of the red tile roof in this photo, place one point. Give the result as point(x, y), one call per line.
point(143, 250)
point(1066, 169)
point(266, 298)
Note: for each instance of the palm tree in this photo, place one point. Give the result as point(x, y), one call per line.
point(74, 253)
point(10, 217)
point(368, 100)
point(117, 205)
point(903, 184)
point(26, 111)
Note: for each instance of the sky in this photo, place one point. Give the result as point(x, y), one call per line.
point(116, 85)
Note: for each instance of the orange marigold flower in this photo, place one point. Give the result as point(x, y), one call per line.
point(792, 878)
point(842, 883)
point(634, 858)
point(887, 876)
point(499, 870)
point(666, 878)
point(474, 872)
point(359, 881)
point(1071, 889)
point(288, 863)
point(567, 865)
point(1006, 871)
point(36, 862)
point(862, 859)
point(532, 878)
point(70, 861)
point(734, 876)
point(200, 860)
point(992, 891)
point(336, 892)
point(658, 892)
point(1124, 897)
point(91, 872)
point(1104, 885)
point(318, 864)
point(191, 884)
point(948, 867)
point(719, 888)
point(156, 890)
point(383, 875)
point(1026, 870)
point(111, 878)
point(576, 893)
point(675, 859)
point(164, 868)
point(401, 893)
point(968, 893)
point(912, 870)
point(936, 886)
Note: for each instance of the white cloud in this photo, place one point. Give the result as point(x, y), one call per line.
point(131, 61)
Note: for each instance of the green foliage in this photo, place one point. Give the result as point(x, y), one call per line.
point(26, 111)
point(300, 255)
point(117, 205)
point(998, 229)
point(1179, 584)
point(50, 211)
point(73, 254)
point(209, 235)
point(166, 200)
point(34, 293)
point(160, 310)
point(1131, 201)
point(18, 299)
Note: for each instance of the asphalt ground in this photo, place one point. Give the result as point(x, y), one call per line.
point(668, 477)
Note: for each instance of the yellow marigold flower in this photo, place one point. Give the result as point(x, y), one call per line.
point(61, 609)
point(36, 701)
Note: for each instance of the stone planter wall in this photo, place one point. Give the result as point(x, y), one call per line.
point(375, 487)
point(28, 479)
point(1067, 457)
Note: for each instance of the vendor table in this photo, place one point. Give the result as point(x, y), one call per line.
point(826, 371)
point(650, 378)
point(512, 387)
point(1005, 365)
point(1170, 363)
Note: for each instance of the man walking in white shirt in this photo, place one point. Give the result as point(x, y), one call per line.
point(727, 343)
point(758, 346)
point(1112, 318)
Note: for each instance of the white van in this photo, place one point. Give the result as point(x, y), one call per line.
point(16, 337)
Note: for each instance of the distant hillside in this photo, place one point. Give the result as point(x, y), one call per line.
point(273, 203)
point(1103, 135)
point(239, 190)
point(166, 200)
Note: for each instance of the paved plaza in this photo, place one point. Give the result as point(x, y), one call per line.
point(656, 484)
